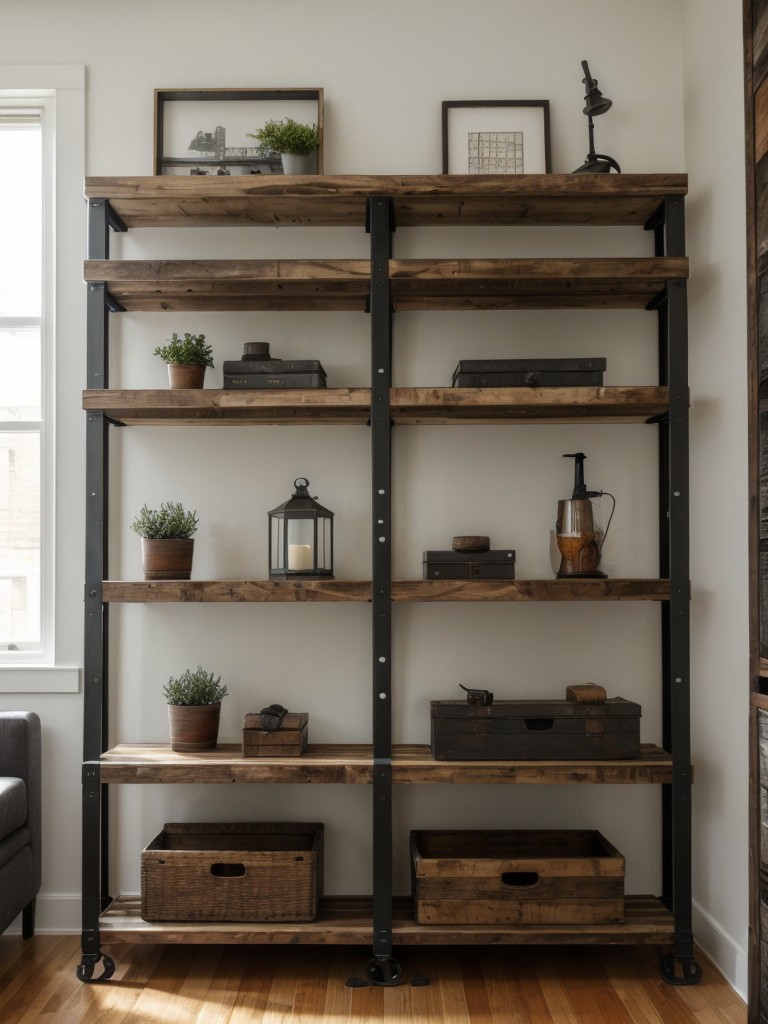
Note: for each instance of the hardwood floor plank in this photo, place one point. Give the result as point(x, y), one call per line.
point(246, 984)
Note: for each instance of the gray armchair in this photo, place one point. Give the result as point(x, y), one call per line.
point(20, 818)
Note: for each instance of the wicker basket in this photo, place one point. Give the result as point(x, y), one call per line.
point(233, 872)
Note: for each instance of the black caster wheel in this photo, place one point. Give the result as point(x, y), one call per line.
point(385, 971)
point(87, 965)
point(690, 972)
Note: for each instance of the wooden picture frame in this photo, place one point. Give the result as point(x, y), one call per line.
point(496, 137)
point(221, 119)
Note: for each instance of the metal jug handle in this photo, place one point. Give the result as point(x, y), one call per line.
point(610, 517)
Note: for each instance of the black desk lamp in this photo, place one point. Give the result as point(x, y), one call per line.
point(596, 104)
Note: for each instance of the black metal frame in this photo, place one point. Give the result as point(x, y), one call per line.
point(668, 227)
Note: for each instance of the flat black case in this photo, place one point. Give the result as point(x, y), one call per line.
point(530, 373)
point(249, 381)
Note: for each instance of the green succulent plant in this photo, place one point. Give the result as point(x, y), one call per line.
point(187, 351)
point(194, 688)
point(168, 521)
point(288, 136)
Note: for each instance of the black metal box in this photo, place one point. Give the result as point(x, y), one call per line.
point(464, 565)
point(535, 730)
point(530, 373)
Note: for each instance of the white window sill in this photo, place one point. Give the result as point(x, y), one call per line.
point(39, 679)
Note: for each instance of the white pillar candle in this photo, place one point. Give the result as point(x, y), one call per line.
point(300, 556)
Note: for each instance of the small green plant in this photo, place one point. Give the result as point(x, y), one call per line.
point(168, 521)
point(186, 351)
point(198, 687)
point(288, 136)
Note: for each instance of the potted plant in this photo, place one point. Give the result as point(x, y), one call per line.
point(187, 359)
point(166, 541)
point(194, 706)
point(296, 143)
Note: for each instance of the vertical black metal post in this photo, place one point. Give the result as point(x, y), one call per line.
point(381, 225)
point(677, 669)
point(95, 833)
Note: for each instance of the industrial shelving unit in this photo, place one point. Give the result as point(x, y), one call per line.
point(382, 285)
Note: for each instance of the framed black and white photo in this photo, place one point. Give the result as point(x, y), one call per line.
point(496, 137)
point(207, 131)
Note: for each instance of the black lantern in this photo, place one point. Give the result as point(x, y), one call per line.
point(595, 104)
point(300, 536)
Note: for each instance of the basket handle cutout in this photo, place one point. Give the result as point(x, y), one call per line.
point(520, 879)
point(228, 870)
point(538, 724)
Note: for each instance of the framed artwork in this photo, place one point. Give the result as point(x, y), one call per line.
point(496, 137)
point(206, 131)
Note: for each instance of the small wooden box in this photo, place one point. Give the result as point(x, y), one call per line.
point(527, 877)
point(535, 730)
point(465, 565)
point(290, 740)
point(233, 872)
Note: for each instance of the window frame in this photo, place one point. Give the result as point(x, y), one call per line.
point(59, 90)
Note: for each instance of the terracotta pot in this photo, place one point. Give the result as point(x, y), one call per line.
point(186, 375)
point(167, 559)
point(193, 726)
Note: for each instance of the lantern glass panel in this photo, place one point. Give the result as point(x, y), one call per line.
point(276, 528)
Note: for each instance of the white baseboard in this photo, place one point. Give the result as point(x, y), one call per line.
point(723, 950)
point(55, 914)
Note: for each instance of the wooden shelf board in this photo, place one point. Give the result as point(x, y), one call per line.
point(199, 285)
point(409, 406)
point(586, 283)
point(531, 590)
point(347, 920)
point(195, 591)
point(335, 284)
point(175, 201)
point(425, 406)
point(219, 407)
point(412, 764)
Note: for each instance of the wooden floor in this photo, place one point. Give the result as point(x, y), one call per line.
point(305, 985)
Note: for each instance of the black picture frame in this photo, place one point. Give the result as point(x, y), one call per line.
point(178, 116)
point(492, 118)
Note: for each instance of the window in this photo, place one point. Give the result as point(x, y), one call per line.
point(22, 434)
point(42, 241)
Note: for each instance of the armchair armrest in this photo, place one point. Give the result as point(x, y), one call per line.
point(20, 757)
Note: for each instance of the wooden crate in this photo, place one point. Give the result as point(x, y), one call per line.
point(516, 877)
point(290, 740)
point(233, 872)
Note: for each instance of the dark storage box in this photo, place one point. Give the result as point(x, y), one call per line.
point(463, 565)
point(233, 872)
point(290, 740)
point(261, 381)
point(528, 877)
point(535, 730)
point(530, 373)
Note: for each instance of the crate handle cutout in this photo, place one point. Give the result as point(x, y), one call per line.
point(520, 879)
point(538, 724)
point(228, 870)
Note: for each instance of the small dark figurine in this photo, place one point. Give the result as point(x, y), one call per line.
point(272, 717)
point(481, 697)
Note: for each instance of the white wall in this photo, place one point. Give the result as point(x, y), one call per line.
point(385, 71)
point(714, 137)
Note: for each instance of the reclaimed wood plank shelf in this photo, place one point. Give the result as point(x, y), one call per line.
point(348, 920)
point(378, 286)
point(412, 764)
point(199, 285)
point(409, 406)
point(196, 591)
point(418, 200)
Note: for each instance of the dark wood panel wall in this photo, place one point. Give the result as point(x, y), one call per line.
point(756, 108)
